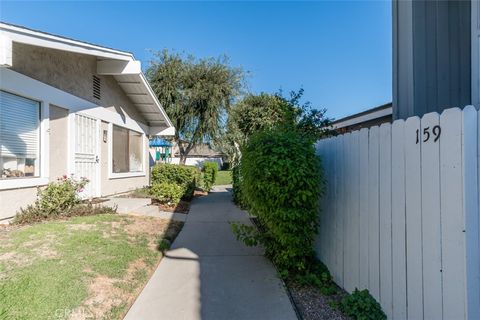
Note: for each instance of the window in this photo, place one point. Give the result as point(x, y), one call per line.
point(127, 150)
point(19, 136)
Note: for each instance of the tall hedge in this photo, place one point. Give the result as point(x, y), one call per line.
point(281, 183)
point(210, 171)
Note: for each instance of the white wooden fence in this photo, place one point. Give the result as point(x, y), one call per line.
point(401, 214)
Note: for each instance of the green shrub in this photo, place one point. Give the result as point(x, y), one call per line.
point(236, 187)
point(163, 244)
point(281, 182)
point(318, 276)
point(60, 196)
point(59, 199)
point(210, 171)
point(167, 192)
point(186, 176)
point(361, 305)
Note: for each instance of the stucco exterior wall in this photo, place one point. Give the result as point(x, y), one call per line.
point(58, 142)
point(119, 185)
point(72, 73)
point(14, 199)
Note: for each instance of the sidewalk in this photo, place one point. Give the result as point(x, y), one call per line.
point(208, 274)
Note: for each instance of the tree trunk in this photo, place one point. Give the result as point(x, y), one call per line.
point(183, 158)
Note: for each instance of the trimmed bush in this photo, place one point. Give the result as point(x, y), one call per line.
point(167, 192)
point(281, 182)
point(360, 305)
point(187, 177)
point(210, 170)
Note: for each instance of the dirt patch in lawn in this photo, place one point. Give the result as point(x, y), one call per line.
point(103, 296)
point(107, 294)
point(153, 226)
point(81, 226)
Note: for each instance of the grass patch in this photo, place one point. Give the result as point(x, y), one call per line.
point(93, 266)
point(224, 177)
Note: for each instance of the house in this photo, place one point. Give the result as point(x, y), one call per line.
point(435, 56)
point(72, 108)
point(435, 61)
point(365, 119)
point(198, 155)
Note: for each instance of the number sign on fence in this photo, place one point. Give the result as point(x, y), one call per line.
point(401, 214)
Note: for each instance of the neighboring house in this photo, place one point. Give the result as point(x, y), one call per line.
point(435, 56)
point(364, 119)
point(198, 155)
point(71, 108)
point(435, 60)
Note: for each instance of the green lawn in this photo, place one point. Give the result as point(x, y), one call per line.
point(224, 177)
point(84, 267)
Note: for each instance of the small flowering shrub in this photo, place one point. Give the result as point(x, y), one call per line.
point(60, 195)
point(59, 199)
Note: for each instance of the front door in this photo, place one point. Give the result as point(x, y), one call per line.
point(87, 153)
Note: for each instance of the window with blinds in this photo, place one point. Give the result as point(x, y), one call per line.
point(19, 136)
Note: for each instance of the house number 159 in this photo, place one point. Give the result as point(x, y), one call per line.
point(435, 132)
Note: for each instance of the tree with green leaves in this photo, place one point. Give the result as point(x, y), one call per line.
point(256, 113)
point(196, 94)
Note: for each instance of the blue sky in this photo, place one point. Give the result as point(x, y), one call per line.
point(338, 51)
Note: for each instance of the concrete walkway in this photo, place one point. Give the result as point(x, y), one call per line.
point(208, 274)
point(142, 207)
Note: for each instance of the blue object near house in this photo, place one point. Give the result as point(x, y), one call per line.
point(163, 149)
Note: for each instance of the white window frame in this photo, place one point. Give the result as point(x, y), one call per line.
point(119, 175)
point(43, 147)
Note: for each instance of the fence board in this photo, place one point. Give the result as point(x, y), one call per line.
point(399, 294)
point(430, 166)
point(355, 207)
point(328, 214)
point(374, 220)
point(348, 257)
point(341, 210)
point(470, 174)
point(363, 207)
point(385, 184)
point(453, 248)
point(413, 221)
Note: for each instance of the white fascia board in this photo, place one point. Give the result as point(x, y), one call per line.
point(118, 67)
point(5, 51)
point(366, 117)
point(162, 131)
point(157, 103)
point(35, 38)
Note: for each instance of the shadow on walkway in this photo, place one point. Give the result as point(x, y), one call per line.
point(208, 274)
